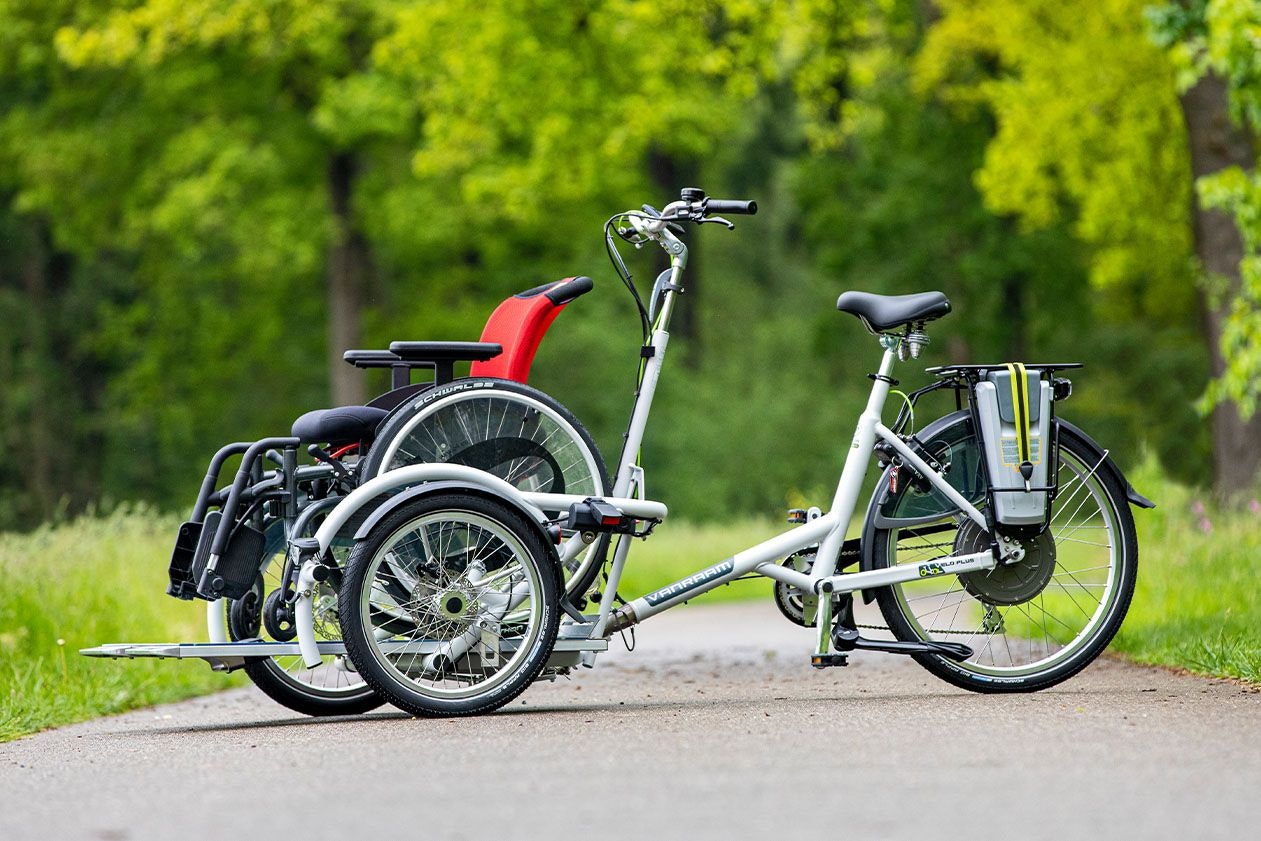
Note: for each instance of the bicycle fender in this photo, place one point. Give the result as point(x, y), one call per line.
point(368, 495)
point(451, 486)
point(946, 427)
point(1134, 497)
point(934, 431)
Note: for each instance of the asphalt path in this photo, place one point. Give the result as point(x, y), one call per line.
point(715, 727)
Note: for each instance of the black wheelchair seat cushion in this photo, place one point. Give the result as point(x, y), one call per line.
point(343, 425)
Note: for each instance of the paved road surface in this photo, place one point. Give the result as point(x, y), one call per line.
point(714, 728)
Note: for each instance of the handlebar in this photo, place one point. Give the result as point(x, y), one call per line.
point(693, 206)
point(639, 227)
point(732, 206)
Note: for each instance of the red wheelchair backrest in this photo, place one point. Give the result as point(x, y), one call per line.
point(520, 323)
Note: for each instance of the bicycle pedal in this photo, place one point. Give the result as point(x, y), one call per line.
point(824, 661)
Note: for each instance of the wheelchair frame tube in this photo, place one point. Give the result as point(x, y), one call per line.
point(226, 524)
point(212, 478)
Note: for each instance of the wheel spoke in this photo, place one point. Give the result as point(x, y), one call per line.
point(1033, 630)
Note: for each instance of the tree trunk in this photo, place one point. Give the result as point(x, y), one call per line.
point(349, 264)
point(1014, 315)
point(39, 437)
point(1216, 143)
point(669, 176)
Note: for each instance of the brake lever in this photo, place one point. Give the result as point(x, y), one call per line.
point(656, 214)
point(731, 226)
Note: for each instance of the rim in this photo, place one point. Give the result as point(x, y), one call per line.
point(1047, 629)
point(335, 677)
point(451, 604)
point(453, 426)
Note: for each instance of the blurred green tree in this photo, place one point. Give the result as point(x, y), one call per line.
point(1213, 44)
point(1090, 125)
point(202, 203)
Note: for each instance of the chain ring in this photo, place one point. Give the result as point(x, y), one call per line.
point(789, 598)
point(1007, 584)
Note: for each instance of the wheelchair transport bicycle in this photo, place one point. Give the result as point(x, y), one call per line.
point(233, 555)
point(999, 545)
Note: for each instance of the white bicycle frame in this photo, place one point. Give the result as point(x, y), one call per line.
point(826, 531)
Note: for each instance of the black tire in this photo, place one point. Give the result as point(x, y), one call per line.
point(268, 676)
point(384, 453)
point(1076, 470)
point(280, 678)
point(375, 587)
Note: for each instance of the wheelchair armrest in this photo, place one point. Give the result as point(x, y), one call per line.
point(373, 358)
point(400, 369)
point(433, 352)
point(442, 356)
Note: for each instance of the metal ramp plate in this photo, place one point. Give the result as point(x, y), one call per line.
point(230, 655)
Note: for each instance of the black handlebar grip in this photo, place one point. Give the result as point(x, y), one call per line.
point(731, 206)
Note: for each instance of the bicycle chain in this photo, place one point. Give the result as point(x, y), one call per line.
point(930, 630)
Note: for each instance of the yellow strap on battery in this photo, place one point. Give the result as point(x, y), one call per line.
point(1020, 405)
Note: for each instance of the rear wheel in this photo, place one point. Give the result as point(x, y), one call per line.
point(1034, 623)
point(450, 605)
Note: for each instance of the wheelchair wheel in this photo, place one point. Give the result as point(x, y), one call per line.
point(333, 687)
point(508, 429)
point(451, 605)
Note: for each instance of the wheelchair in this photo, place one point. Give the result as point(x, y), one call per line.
point(231, 551)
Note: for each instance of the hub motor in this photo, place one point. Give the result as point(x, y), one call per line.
point(1015, 582)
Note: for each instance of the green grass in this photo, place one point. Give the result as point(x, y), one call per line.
point(677, 549)
point(103, 579)
point(92, 581)
point(1197, 604)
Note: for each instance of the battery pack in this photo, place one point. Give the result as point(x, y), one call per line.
point(1014, 409)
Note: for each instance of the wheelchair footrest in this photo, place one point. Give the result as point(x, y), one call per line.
point(236, 569)
point(183, 585)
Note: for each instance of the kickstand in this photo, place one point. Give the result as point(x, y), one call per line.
point(846, 638)
point(845, 634)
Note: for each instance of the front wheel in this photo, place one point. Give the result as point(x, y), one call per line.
point(450, 605)
point(1034, 623)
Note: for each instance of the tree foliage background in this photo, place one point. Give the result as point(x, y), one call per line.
point(203, 202)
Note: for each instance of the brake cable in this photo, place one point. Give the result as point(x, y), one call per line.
point(619, 265)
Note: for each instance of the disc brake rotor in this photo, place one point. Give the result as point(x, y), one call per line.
point(1011, 583)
